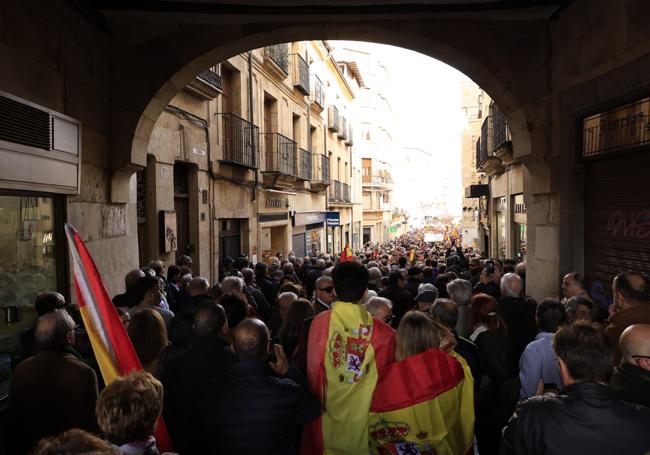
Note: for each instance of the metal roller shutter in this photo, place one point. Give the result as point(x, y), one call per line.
point(298, 245)
point(617, 219)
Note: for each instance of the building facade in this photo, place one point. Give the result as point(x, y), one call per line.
point(374, 142)
point(253, 157)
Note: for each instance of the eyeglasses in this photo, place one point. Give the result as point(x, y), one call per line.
point(640, 356)
point(327, 289)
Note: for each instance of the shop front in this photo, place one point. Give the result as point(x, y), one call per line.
point(333, 223)
point(40, 156)
point(308, 233)
point(519, 228)
point(274, 227)
point(616, 143)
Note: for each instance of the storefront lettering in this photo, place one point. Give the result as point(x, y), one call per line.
point(275, 202)
point(633, 224)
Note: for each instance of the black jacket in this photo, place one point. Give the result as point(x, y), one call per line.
point(183, 378)
point(468, 350)
point(412, 285)
point(402, 301)
point(249, 410)
point(519, 316)
point(631, 383)
point(490, 289)
point(268, 287)
point(586, 418)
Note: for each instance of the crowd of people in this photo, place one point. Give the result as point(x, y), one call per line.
point(406, 348)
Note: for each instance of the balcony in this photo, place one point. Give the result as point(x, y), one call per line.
point(318, 93)
point(207, 85)
point(343, 128)
point(502, 138)
point(481, 154)
point(300, 74)
point(377, 180)
point(277, 58)
point(349, 139)
point(240, 141)
point(333, 118)
point(339, 192)
point(305, 165)
point(321, 181)
point(279, 160)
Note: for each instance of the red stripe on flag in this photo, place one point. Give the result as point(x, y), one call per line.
point(416, 379)
point(111, 324)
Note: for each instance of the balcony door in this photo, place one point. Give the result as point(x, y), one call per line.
point(182, 208)
point(269, 112)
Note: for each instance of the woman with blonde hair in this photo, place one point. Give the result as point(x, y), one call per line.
point(417, 333)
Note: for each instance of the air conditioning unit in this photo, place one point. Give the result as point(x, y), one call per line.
point(40, 149)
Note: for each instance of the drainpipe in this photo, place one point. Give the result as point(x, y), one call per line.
point(250, 116)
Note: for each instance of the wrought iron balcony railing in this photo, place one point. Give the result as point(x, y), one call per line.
point(279, 154)
point(500, 127)
point(480, 157)
point(325, 168)
point(240, 140)
point(318, 92)
point(213, 77)
point(486, 138)
point(343, 128)
point(333, 118)
point(300, 74)
point(278, 54)
point(339, 191)
point(305, 165)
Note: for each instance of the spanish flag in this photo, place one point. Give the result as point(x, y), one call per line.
point(424, 405)
point(348, 351)
point(111, 344)
point(346, 254)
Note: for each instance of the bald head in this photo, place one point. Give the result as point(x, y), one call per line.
point(48, 301)
point(54, 331)
point(630, 289)
point(198, 286)
point(251, 340)
point(131, 279)
point(635, 345)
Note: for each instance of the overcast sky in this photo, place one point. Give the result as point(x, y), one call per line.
point(426, 96)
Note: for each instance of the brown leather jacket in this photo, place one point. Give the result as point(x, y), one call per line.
point(638, 314)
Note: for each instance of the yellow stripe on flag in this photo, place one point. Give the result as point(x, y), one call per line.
point(351, 376)
point(106, 365)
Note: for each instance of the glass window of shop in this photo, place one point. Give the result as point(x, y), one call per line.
point(501, 208)
point(30, 263)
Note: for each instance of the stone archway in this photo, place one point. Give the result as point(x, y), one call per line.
point(148, 74)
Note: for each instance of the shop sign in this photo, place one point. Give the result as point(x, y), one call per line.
point(333, 218)
point(519, 209)
point(624, 127)
point(302, 219)
point(392, 229)
point(276, 202)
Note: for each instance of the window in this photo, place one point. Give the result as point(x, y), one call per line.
point(30, 263)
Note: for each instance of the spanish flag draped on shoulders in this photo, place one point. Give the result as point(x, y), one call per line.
point(348, 352)
point(424, 405)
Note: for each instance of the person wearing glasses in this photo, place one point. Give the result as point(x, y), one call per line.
point(324, 295)
point(631, 378)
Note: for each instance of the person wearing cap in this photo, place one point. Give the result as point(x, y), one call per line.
point(425, 298)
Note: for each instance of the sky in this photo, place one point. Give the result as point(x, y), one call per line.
point(426, 98)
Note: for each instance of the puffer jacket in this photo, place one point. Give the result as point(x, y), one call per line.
point(585, 418)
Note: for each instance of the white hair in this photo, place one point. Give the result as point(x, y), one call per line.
point(460, 291)
point(232, 284)
point(369, 295)
point(511, 285)
point(375, 303)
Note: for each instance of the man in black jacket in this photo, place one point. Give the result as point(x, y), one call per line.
point(401, 298)
point(185, 375)
point(586, 418)
point(631, 378)
point(256, 405)
point(518, 312)
point(268, 286)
